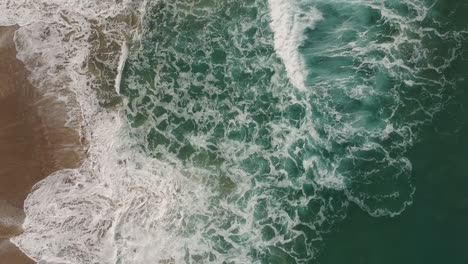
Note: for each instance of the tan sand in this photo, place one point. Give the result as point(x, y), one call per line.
point(33, 143)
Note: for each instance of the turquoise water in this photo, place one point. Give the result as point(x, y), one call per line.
point(320, 150)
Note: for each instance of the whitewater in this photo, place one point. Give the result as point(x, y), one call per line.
point(221, 132)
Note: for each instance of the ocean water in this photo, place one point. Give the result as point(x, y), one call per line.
point(291, 112)
point(258, 131)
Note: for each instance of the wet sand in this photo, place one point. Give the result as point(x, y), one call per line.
point(34, 142)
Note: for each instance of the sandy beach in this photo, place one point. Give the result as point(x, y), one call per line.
point(34, 142)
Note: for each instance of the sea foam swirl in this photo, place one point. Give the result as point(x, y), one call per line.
point(288, 21)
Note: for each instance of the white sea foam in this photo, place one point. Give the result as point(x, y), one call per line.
point(83, 208)
point(27, 12)
point(289, 21)
point(120, 206)
point(123, 58)
point(405, 57)
point(119, 203)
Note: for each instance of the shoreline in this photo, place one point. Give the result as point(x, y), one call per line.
point(34, 142)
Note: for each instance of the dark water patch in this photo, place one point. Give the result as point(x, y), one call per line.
point(433, 229)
